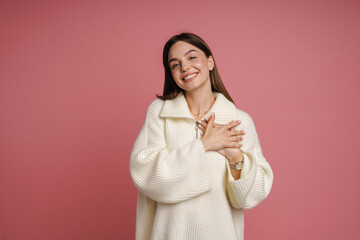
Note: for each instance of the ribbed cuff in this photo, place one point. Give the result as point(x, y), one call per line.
point(242, 186)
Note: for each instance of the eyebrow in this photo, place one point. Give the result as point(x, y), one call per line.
point(173, 59)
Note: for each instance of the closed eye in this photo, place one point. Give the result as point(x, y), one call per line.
point(175, 65)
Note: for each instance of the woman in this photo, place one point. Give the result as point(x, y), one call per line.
point(195, 165)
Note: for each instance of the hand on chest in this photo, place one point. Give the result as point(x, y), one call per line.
point(181, 131)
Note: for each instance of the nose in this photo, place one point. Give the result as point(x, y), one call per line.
point(184, 66)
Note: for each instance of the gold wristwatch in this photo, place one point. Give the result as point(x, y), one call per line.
point(239, 165)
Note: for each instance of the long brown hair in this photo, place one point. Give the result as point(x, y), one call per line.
point(171, 89)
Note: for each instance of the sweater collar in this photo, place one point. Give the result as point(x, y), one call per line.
point(224, 110)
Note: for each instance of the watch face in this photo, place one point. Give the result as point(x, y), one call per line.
point(239, 165)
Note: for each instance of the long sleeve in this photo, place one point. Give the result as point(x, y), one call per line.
point(167, 175)
point(256, 178)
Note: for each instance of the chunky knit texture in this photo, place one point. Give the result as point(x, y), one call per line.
point(184, 192)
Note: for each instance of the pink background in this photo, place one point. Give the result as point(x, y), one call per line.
point(76, 78)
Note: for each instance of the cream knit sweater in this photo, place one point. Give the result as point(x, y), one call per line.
point(184, 192)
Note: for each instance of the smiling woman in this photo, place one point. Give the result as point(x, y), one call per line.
point(191, 65)
point(196, 186)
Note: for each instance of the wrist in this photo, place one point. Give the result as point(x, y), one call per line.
point(237, 159)
point(206, 148)
point(237, 163)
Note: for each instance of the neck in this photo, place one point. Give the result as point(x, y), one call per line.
point(200, 101)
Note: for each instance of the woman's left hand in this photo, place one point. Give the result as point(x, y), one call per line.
point(233, 155)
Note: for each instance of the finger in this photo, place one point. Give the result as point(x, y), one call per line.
point(235, 138)
point(233, 124)
point(234, 132)
point(228, 126)
point(201, 123)
point(234, 145)
point(211, 119)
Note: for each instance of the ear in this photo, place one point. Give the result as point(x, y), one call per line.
point(211, 63)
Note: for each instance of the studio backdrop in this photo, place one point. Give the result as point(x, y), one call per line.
point(76, 78)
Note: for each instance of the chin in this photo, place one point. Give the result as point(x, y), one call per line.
point(192, 89)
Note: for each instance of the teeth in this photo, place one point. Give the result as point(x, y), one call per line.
point(190, 76)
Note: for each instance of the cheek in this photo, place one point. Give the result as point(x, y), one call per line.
point(176, 76)
point(200, 64)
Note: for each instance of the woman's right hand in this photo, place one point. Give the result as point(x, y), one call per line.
point(218, 137)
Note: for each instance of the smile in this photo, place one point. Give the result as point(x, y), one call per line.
point(190, 77)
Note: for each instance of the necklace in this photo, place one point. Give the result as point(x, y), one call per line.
point(196, 115)
point(199, 115)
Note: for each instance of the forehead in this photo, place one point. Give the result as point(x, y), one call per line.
point(180, 48)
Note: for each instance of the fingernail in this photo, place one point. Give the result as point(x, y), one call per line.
point(244, 131)
point(239, 121)
point(201, 133)
point(206, 118)
point(212, 114)
point(199, 121)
